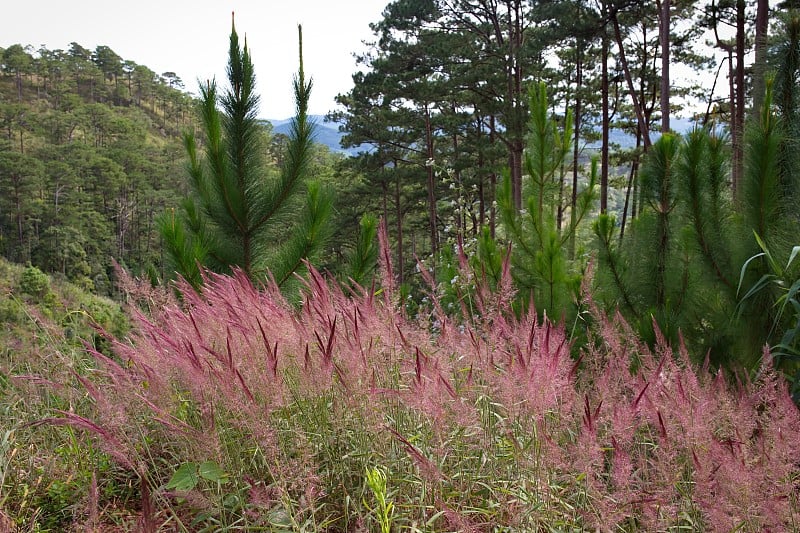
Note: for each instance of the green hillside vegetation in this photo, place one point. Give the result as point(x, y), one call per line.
point(47, 325)
point(89, 156)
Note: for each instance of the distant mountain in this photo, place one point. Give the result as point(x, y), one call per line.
point(626, 141)
point(328, 134)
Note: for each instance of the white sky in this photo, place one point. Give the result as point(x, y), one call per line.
point(190, 38)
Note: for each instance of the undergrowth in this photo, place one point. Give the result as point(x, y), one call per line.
point(45, 471)
point(233, 409)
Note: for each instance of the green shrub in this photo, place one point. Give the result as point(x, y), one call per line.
point(34, 282)
point(10, 311)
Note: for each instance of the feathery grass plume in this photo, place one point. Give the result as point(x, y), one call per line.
point(477, 424)
point(6, 523)
point(692, 443)
point(243, 214)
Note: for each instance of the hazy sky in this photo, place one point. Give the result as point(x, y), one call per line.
point(190, 38)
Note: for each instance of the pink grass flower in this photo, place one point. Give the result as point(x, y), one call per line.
point(494, 403)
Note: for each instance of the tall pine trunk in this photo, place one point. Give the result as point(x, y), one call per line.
point(399, 215)
point(576, 145)
point(606, 124)
point(737, 123)
point(665, 53)
point(431, 184)
point(760, 63)
point(637, 106)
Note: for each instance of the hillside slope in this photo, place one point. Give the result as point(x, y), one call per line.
point(46, 322)
point(90, 156)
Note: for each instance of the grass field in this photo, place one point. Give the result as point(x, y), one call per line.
point(235, 410)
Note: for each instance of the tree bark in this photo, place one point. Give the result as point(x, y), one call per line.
point(626, 71)
point(606, 125)
point(399, 215)
point(431, 183)
point(738, 124)
point(576, 146)
point(630, 189)
point(665, 53)
point(760, 63)
point(515, 122)
point(492, 181)
point(481, 182)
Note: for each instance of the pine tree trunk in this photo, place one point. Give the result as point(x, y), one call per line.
point(759, 65)
point(492, 181)
point(481, 187)
point(18, 79)
point(516, 120)
point(665, 53)
point(576, 145)
point(462, 223)
point(561, 206)
point(431, 183)
point(630, 189)
point(737, 121)
point(515, 164)
point(399, 215)
point(626, 71)
point(606, 125)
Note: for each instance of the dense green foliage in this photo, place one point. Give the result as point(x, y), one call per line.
point(679, 270)
point(88, 159)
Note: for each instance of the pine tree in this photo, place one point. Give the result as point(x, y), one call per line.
point(682, 267)
point(241, 216)
point(541, 267)
point(362, 259)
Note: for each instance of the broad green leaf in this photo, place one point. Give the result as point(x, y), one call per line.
point(231, 501)
point(772, 263)
point(765, 280)
point(211, 471)
point(280, 518)
point(791, 293)
point(744, 270)
point(184, 478)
